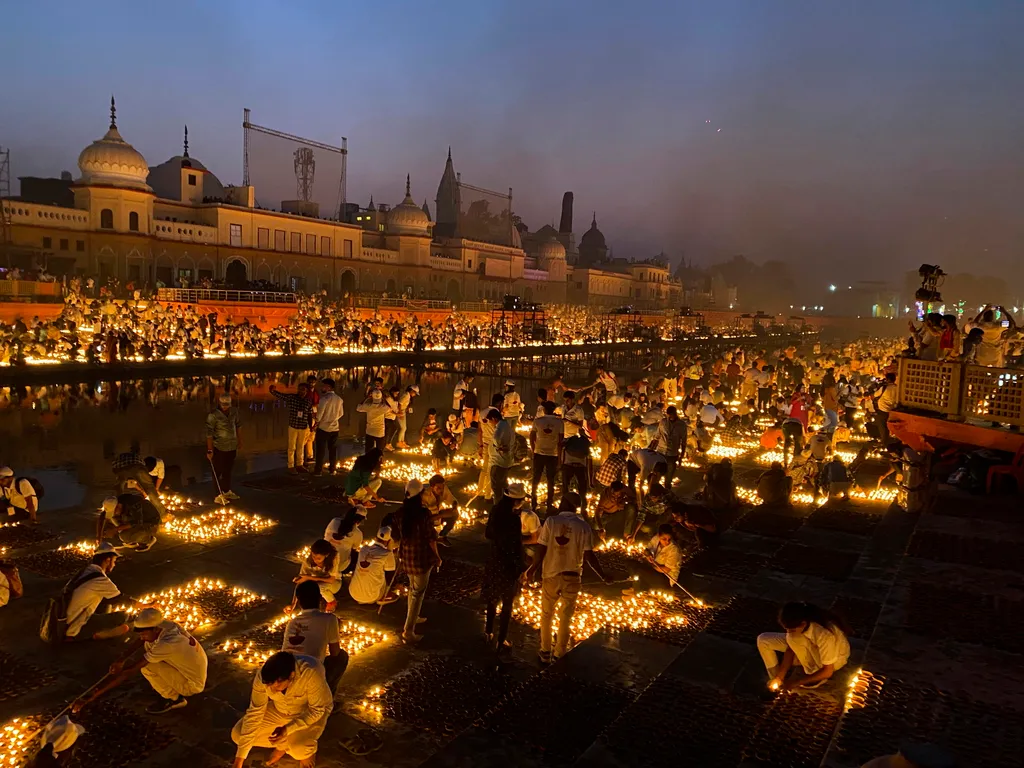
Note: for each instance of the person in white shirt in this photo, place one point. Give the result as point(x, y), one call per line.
point(18, 500)
point(710, 416)
point(322, 566)
point(546, 441)
point(402, 415)
point(329, 411)
point(173, 662)
point(565, 542)
point(443, 508)
point(572, 414)
point(371, 578)
point(287, 712)
point(501, 454)
point(665, 554)
point(814, 638)
point(377, 412)
point(511, 406)
point(156, 469)
point(89, 605)
point(344, 534)
point(312, 632)
point(10, 582)
point(465, 384)
point(607, 378)
point(886, 402)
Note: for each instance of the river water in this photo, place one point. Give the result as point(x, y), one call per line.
point(67, 435)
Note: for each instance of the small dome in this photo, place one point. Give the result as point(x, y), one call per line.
point(550, 249)
point(112, 161)
point(407, 218)
point(165, 179)
point(593, 237)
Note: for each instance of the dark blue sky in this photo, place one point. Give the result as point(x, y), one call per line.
point(857, 139)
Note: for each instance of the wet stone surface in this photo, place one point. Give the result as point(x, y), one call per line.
point(795, 732)
point(844, 520)
point(968, 617)
point(18, 677)
point(745, 618)
point(830, 564)
point(725, 564)
point(964, 550)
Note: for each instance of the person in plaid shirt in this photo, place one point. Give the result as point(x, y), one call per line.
point(613, 469)
point(417, 546)
point(300, 420)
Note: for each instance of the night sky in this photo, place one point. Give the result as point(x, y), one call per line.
point(853, 139)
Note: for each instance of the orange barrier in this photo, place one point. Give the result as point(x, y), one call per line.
point(11, 311)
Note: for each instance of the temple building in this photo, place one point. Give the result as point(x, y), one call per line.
point(176, 224)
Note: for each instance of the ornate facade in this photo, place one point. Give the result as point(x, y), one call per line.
point(176, 223)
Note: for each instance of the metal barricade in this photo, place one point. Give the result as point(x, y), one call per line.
point(930, 386)
point(996, 394)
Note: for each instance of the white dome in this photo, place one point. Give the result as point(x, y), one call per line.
point(112, 161)
point(549, 250)
point(407, 218)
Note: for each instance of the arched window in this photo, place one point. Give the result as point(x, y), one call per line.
point(106, 219)
point(133, 221)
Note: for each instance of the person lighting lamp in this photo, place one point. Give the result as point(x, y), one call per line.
point(814, 638)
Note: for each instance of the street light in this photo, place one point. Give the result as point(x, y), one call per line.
point(832, 288)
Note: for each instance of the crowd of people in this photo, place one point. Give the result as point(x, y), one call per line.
point(605, 458)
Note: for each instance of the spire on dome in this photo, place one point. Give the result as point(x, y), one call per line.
point(186, 142)
point(426, 210)
point(371, 206)
point(408, 183)
point(113, 113)
point(593, 224)
point(449, 151)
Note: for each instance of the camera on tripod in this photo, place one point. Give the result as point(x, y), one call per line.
point(931, 278)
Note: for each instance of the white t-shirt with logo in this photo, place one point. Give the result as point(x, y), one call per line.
point(548, 430)
point(511, 406)
point(368, 582)
point(19, 493)
point(310, 633)
point(567, 537)
point(344, 545)
point(530, 521)
point(87, 598)
point(178, 648)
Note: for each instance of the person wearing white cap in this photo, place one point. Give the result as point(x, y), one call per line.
point(376, 561)
point(344, 535)
point(172, 661)
point(89, 595)
point(501, 453)
point(511, 405)
point(404, 409)
point(465, 384)
point(287, 712)
point(60, 736)
point(223, 442)
point(376, 411)
point(18, 498)
point(133, 518)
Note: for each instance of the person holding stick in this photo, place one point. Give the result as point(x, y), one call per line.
point(664, 554)
point(172, 661)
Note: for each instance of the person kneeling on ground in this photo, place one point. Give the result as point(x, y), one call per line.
point(698, 520)
point(89, 596)
point(361, 485)
point(344, 534)
point(775, 486)
point(835, 479)
point(815, 638)
point(375, 567)
point(665, 555)
point(313, 632)
point(134, 519)
point(322, 566)
point(287, 712)
point(173, 662)
point(444, 509)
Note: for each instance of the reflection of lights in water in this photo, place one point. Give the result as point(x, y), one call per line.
point(259, 645)
point(218, 524)
point(183, 604)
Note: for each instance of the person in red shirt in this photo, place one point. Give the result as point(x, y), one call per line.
point(795, 424)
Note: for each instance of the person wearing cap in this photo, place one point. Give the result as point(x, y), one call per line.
point(313, 632)
point(414, 530)
point(546, 441)
point(133, 473)
point(464, 385)
point(501, 453)
point(444, 509)
point(328, 413)
point(404, 409)
point(288, 710)
point(344, 534)
point(566, 541)
point(133, 518)
point(375, 567)
point(505, 563)
point(223, 442)
point(511, 404)
point(18, 500)
point(172, 661)
point(300, 419)
point(376, 411)
point(60, 736)
point(91, 593)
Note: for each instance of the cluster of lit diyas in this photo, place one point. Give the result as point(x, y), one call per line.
point(642, 611)
point(16, 741)
point(372, 703)
point(623, 547)
point(857, 691)
point(218, 524)
point(200, 603)
point(255, 647)
point(177, 504)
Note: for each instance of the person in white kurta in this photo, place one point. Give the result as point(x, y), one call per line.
point(288, 710)
point(814, 638)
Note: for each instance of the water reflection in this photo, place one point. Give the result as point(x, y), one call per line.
point(67, 435)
